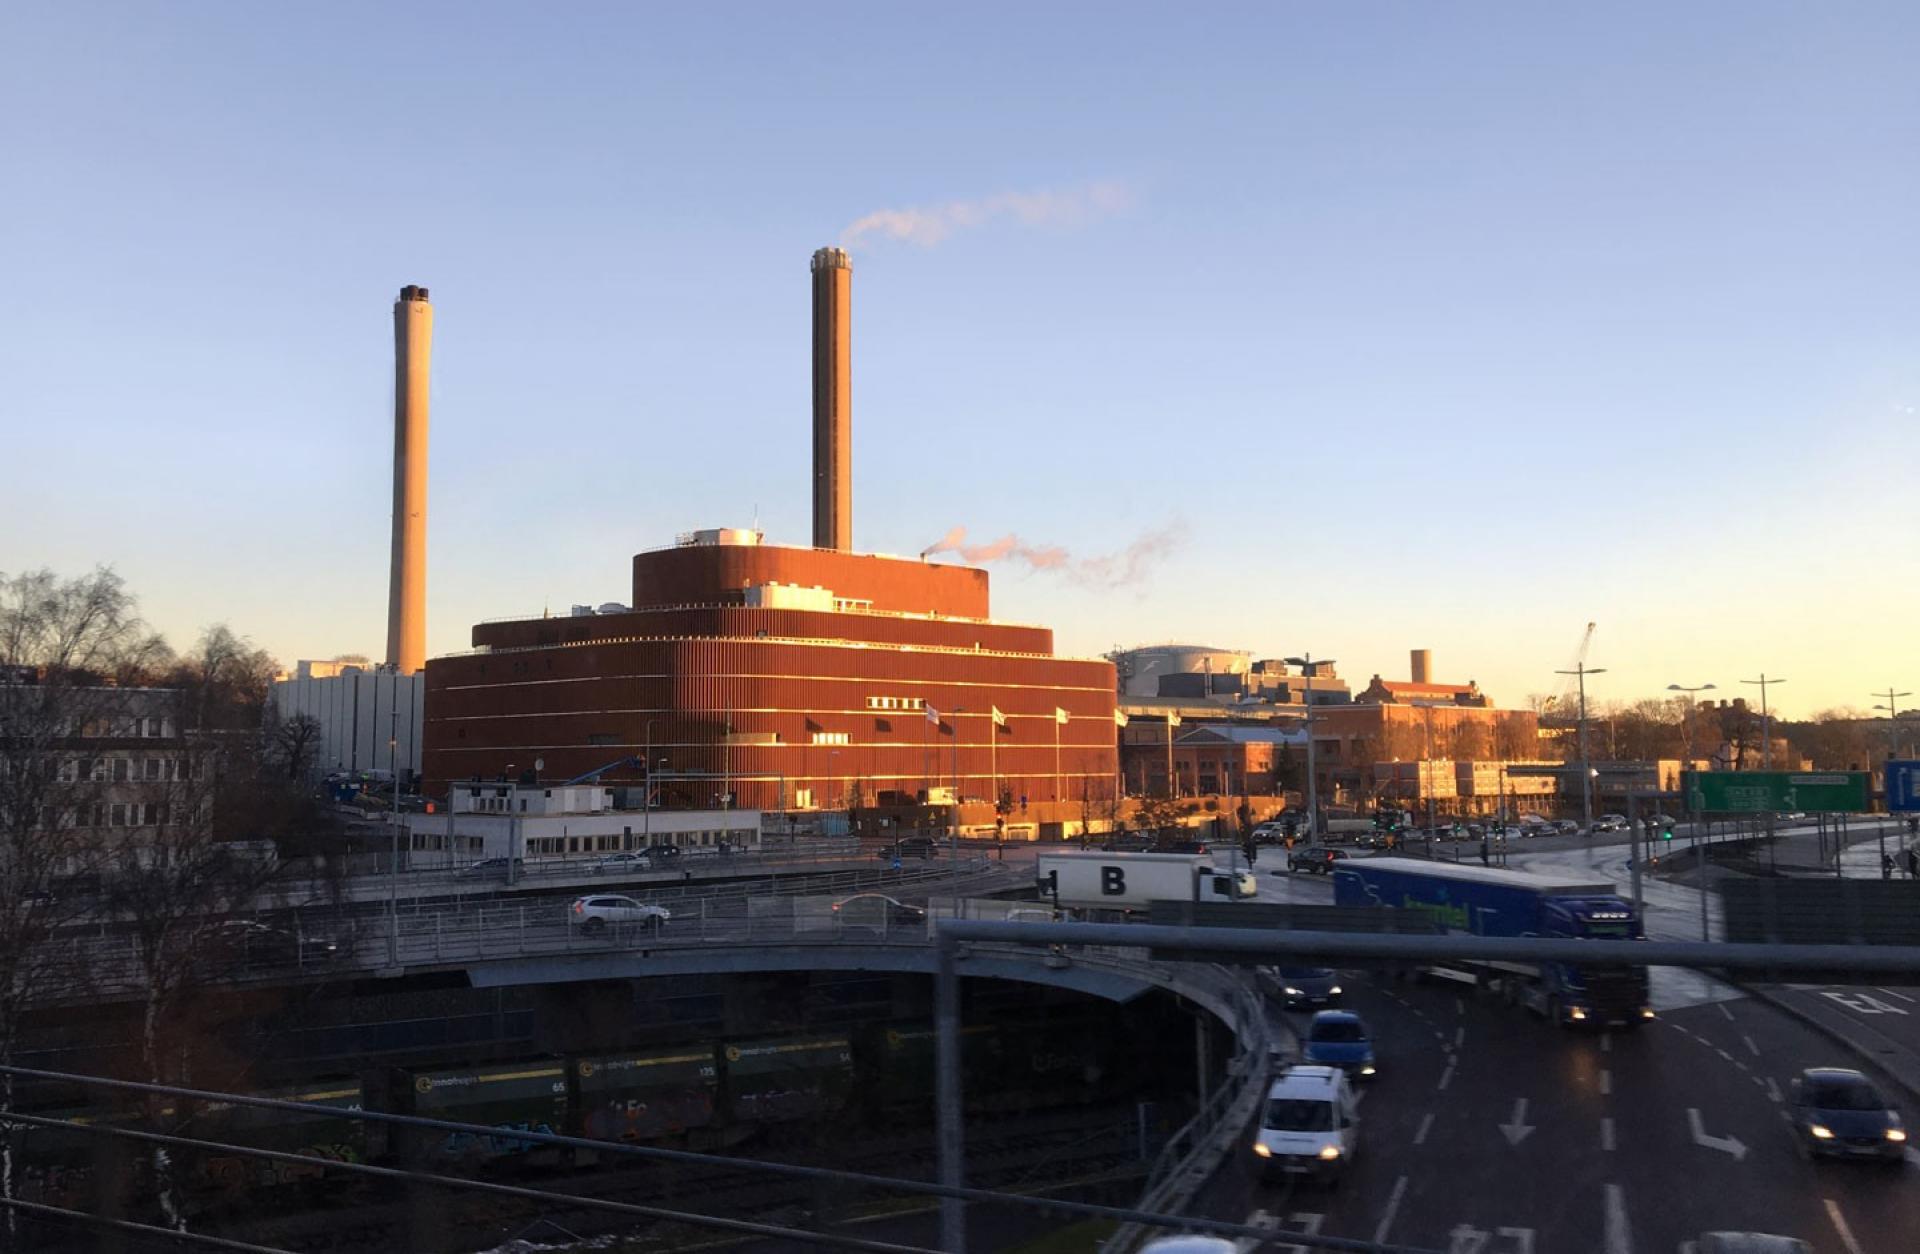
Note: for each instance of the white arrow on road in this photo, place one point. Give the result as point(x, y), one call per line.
point(1517, 1129)
point(1725, 1144)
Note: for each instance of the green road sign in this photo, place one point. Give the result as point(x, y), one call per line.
point(1842, 792)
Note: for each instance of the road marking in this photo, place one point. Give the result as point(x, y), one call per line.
point(1517, 1129)
point(1724, 1054)
point(1619, 1237)
point(1446, 1077)
point(1459, 1037)
point(1861, 1003)
point(1606, 1081)
point(1522, 1238)
point(1839, 1225)
point(1606, 1042)
point(1393, 1204)
point(1606, 1133)
point(1725, 1144)
point(1891, 993)
point(1751, 1047)
point(1420, 1137)
point(1259, 1219)
point(1725, 1011)
point(1459, 1005)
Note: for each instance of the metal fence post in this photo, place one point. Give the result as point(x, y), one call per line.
point(948, 1114)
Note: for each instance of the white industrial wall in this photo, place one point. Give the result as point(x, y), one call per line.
point(356, 716)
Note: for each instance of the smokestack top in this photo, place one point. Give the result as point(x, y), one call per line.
point(831, 259)
point(1422, 670)
point(411, 292)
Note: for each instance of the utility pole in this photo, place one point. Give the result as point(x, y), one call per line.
point(1307, 666)
point(1892, 707)
point(393, 872)
point(1766, 721)
point(1686, 736)
point(1582, 670)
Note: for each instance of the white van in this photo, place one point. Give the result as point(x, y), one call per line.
point(1311, 1124)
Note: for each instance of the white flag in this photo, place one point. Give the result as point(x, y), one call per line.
point(933, 715)
point(1173, 720)
point(1119, 719)
point(1059, 715)
point(999, 719)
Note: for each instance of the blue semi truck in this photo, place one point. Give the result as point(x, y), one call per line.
point(1493, 901)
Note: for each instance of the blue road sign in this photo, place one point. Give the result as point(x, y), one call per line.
point(1903, 784)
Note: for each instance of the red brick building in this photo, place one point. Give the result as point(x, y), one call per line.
point(800, 676)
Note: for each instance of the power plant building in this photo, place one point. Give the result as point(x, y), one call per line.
point(780, 678)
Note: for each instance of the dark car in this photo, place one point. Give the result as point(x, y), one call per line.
point(910, 847)
point(1301, 987)
point(1184, 846)
point(659, 854)
point(877, 910)
point(1838, 1113)
point(1339, 1038)
point(494, 866)
point(240, 945)
point(1128, 842)
point(1317, 858)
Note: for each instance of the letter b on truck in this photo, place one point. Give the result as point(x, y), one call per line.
point(1113, 881)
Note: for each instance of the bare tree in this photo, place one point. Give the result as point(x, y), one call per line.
point(66, 647)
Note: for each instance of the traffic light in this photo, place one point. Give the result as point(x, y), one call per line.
point(1666, 831)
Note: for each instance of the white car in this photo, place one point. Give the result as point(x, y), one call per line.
point(615, 862)
point(1311, 1124)
point(594, 914)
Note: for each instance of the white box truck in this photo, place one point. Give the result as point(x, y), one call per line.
point(1128, 881)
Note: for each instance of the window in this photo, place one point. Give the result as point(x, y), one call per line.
point(156, 769)
point(119, 813)
point(120, 770)
point(829, 738)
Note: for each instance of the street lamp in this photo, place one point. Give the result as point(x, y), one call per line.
point(1892, 707)
point(1307, 664)
point(1766, 721)
point(1582, 670)
point(1686, 733)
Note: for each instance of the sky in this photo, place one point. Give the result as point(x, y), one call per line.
point(1342, 329)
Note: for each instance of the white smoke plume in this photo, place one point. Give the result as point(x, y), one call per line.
point(1129, 565)
point(927, 225)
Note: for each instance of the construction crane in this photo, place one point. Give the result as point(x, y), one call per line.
point(1566, 701)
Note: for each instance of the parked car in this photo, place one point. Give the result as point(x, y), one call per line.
point(614, 863)
point(1310, 1125)
point(1301, 987)
point(1316, 858)
point(1128, 842)
point(1838, 1113)
point(1567, 827)
point(910, 847)
point(494, 866)
point(1184, 846)
point(877, 910)
point(1339, 1038)
point(595, 914)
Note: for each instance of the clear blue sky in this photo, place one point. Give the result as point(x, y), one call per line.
point(1427, 325)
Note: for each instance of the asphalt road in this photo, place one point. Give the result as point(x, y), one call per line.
point(1489, 1132)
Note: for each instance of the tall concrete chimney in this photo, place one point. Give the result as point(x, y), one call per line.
point(1423, 666)
point(832, 399)
point(407, 589)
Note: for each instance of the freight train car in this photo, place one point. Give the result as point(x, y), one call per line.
point(506, 1097)
point(782, 1079)
point(645, 1096)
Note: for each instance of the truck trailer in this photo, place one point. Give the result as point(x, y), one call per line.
point(1128, 881)
point(1493, 901)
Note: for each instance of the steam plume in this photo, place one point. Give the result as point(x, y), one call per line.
point(1129, 565)
point(927, 225)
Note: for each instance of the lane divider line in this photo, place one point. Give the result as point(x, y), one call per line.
point(1751, 1047)
point(1446, 1077)
point(1839, 1225)
point(1606, 1134)
point(1393, 1205)
point(1619, 1236)
point(1728, 1014)
point(1606, 1082)
point(1420, 1137)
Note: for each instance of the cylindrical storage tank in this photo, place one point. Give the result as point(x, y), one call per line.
point(1423, 666)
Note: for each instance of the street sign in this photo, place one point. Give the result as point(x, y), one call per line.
point(1903, 784)
point(1830, 792)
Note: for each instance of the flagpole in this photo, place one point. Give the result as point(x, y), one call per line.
point(1058, 785)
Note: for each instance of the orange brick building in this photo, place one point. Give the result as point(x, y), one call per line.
point(791, 678)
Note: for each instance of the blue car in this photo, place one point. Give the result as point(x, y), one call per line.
point(1339, 1038)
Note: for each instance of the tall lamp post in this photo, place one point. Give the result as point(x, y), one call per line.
point(1586, 766)
point(1306, 665)
point(1766, 720)
point(1686, 738)
point(1892, 707)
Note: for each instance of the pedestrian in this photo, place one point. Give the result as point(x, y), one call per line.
point(1913, 864)
point(1253, 852)
point(1484, 861)
point(1886, 866)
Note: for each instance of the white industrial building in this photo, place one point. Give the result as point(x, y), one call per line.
point(360, 709)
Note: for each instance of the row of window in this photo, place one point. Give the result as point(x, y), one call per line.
point(124, 770)
point(547, 846)
point(125, 727)
point(896, 703)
